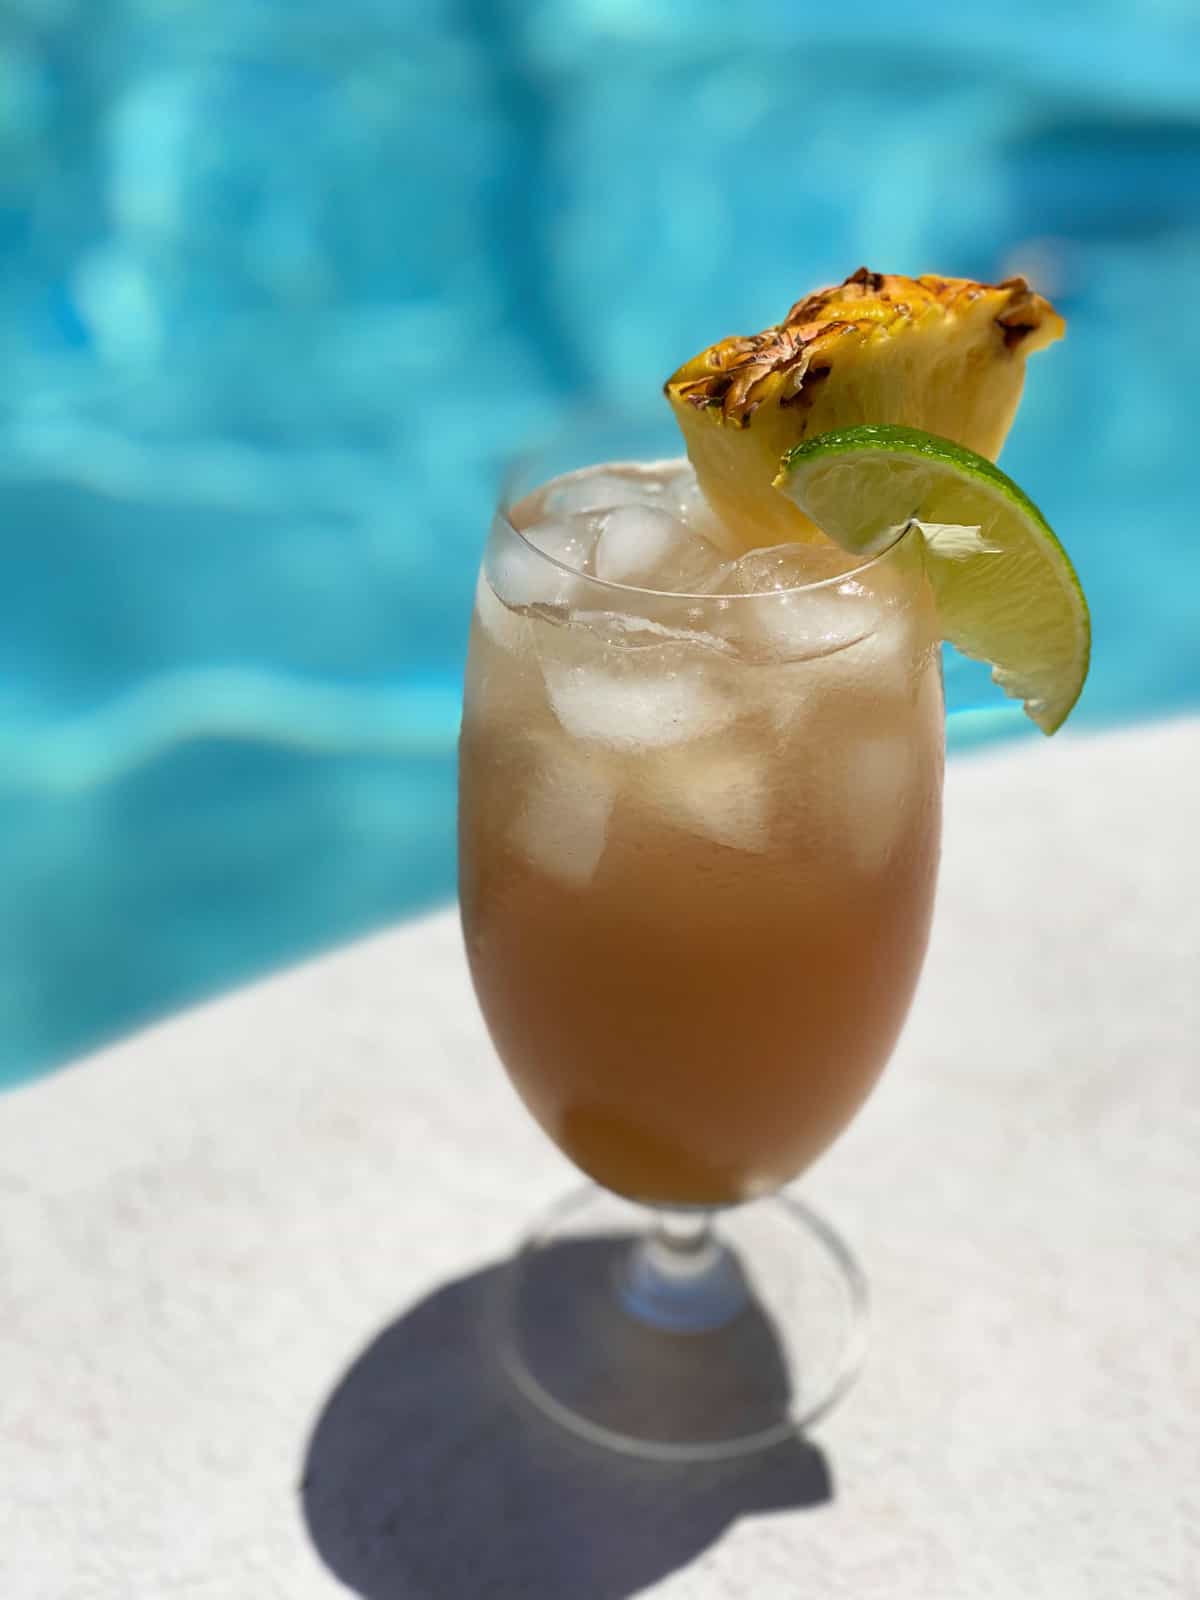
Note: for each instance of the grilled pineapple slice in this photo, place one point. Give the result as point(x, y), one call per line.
point(943, 354)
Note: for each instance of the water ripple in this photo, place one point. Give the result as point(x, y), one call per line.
point(413, 720)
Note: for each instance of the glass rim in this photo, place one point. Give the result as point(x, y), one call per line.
point(900, 538)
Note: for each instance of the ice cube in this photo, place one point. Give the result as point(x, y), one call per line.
point(874, 794)
point(882, 662)
point(602, 491)
point(779, 567)
point(504, 627)
point(794, 605)
point(653, 549)
point(817, 622)
point(726, 797)
point(635, 541)
point(562, 824)
point(521, 576)
point(805, 674)
point(695, 566)
point(570, 540)
point(639, 703)
point(619, 631)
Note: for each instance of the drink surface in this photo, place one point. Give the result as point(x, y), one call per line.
point(699, 831)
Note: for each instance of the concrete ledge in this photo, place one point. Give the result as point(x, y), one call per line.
point(204, 1230)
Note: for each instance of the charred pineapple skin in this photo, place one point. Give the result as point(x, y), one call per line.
point(946, 355)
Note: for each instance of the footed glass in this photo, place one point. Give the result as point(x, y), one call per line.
point(699, 828)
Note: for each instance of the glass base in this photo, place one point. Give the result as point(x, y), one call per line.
point(650, 1334)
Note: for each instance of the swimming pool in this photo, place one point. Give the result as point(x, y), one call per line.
point(281, 293)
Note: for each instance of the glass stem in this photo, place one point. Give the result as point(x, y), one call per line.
point(680, 1277)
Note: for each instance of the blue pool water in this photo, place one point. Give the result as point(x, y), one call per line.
point(283, 286)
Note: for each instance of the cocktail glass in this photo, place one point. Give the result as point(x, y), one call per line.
point(699, 836)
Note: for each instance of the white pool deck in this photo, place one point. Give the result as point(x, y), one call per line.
point(203, 1228)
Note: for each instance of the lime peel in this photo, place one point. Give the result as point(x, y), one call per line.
point(1005, 589)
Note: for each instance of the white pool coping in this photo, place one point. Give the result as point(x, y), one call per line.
point(202, 1228)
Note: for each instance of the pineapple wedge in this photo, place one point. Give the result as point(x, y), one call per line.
point(942, 354)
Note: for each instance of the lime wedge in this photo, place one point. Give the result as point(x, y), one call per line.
point(1007, 594)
